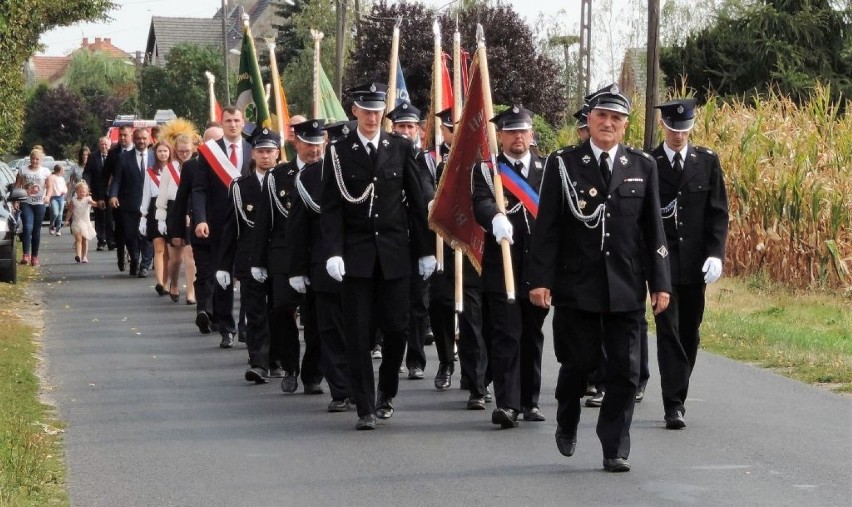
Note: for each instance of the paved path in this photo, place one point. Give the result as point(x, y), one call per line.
point(158, 415)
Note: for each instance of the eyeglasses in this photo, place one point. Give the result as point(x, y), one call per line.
point(183, 152)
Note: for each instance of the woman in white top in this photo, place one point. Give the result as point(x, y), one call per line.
point(33, 179)
point(56, 191)
point(180, 252)
point(147, 223)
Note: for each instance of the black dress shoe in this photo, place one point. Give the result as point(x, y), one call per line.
point(533, 414)
point(565, 442)
point(384, 407)
point(595, 401)
point(313, 388)
point(202, 320)
point(338, 405)
point(366, 422)
point(640, 394)
point(277, 372)
point(122, 263)
point(227, 340)
point(475, 403)
point(289, 383)
point(100, 248)
point(505, 417)
point(256, 375)
point(443, 379)
point(161, 291)
point(616, 465)
point(674, 420)
point(415, 373)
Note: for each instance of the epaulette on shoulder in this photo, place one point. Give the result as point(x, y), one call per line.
point(706, 151)
point(566, 149)
point(637, 151)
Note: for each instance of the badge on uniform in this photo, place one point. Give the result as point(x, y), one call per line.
point(581, 204)
point(249, 207)
point(634, 180)
point(593, 192)
point(538, 164)
point(288, 205)
point(623, 160)
point(385, 143)
point(586, 159)
point(282, 193)
point(354, 146)
point(662, 251)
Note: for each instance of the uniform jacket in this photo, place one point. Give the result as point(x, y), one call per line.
point(181, 206)
point(210, 196)
point(568, 257)
point(700, 228)
point(127, 181)
point(240, 226)
point(523, 225)
point(306, 252)
point(386, 229)
point(271, 239)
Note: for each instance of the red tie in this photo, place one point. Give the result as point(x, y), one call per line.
point(233, 154)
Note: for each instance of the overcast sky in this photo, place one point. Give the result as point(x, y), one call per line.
point(131, 21)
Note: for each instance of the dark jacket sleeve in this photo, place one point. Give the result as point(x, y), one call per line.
point(228, 245)
point(545, 239)
point(659, 274)
point(716, 215)
point(117, 177)
point(331, 221)
point(262, 226)
point(200, 183)
point(297, 252)
point(419, 227)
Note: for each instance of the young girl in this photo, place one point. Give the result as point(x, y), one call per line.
point(79, 208)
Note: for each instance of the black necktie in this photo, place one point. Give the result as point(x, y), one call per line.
point(678, 165)
point(142, 162)
point(372, 152)
point(519, 168)
point(604, 166)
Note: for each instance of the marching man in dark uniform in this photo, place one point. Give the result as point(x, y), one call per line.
point(598, 241)
point(516, 336)
point(695, 217)
point(237, 255)
point(406, 120)
point(306, 255)
point(371, 235)
point(271, 262)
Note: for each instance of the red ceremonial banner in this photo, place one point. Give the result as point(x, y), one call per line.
point(452, 212)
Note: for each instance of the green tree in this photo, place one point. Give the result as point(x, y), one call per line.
point(789, 45)
point(21, 24)
point(287, 40)
point(182, 85)
point(55, 118)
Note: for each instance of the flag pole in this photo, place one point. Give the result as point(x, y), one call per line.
point(211, 80)
point(508, 272)
point(317, 35)
point(276, 87)
point(394, 62)
point(458, 255)
point(437, 100)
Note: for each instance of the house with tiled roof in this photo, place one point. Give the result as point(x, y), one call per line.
point(52, 69)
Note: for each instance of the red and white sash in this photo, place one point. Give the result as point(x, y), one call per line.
point(223, 167)
point(175, 174)
point(154, 176)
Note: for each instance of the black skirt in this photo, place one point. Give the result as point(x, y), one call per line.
point(152, 232)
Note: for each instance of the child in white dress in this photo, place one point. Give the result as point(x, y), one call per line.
point(79, 209)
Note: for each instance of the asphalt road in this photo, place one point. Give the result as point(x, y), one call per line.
point(159, 415)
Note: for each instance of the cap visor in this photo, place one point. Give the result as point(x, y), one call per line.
point(517, 126)
point(265, 144)
point(613, 107)
point(371, 105)
point(311, 139)
point(680, 125)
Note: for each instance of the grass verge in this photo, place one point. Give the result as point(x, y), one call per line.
point(32, 471)
point(803, 335)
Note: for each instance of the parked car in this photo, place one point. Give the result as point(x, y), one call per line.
point(9, 224)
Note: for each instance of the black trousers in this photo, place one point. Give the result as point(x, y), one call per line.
point(442, 316)
point(328, 314)
point(504, 355)
point(129, 221)
point(418, 320)
point(578, 338)
point(474, 341)
point(677, 342)
point(286, 347)
point(596, 378)
point(254, 300)
point(114, 231)
point(532, 346)
point(101, 226)
point(387, 301)
point(210, 296)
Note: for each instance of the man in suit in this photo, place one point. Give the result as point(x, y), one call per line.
point(93, 175)
point(237, 254)
point(176, 221)
point(114, 231)
point(305, 254)
point(516, 338)
point(219, 164)
point(271, 266)
point(598, 244)
point(372, 235)
point(126, 196)
point(695, 217)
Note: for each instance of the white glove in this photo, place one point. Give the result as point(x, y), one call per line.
point(712, 269)
point(143, 226)
point(161, 226)
point(426, 266)
point(334, 267)
point(429, 205)
point(502, 228)
point(224, 279)
point(259, 274)
point(300, 283)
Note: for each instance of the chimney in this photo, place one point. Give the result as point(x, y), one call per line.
point(85, 42)
point(97, 41)
point(107, 41)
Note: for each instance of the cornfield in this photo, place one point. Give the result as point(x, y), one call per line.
point(788, 171)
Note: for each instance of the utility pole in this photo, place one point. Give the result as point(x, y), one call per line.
point(340, 45)
point(227, 76)
point(653, 81)
point(584, 83)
